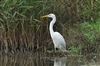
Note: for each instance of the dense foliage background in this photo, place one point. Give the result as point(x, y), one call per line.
point(21, 28)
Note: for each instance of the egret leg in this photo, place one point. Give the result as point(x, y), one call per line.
point(55, 49)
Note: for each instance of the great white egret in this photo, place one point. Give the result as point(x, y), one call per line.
point(57, 38)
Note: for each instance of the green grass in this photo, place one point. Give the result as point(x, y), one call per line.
point(91, 30)
point(84, 38)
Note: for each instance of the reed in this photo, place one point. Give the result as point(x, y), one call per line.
point(21, 31)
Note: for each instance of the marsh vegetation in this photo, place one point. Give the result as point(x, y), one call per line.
point(22, 30)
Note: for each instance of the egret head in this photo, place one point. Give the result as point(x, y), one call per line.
point(49, 15)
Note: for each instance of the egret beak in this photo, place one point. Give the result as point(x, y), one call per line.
point(44, 16)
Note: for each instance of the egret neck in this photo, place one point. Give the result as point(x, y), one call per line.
point(51, 25)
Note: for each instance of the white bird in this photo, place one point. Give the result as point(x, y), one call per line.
point(57, 38)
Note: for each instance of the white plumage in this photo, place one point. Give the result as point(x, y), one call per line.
point(57, 38)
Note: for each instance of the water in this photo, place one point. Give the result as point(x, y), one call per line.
point(35, 60)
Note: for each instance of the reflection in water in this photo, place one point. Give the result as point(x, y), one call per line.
point(60, 61)
point(33, 60)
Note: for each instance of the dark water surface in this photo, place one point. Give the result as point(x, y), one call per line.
point(35, 60)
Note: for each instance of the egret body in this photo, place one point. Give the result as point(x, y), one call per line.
point(57, 38)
